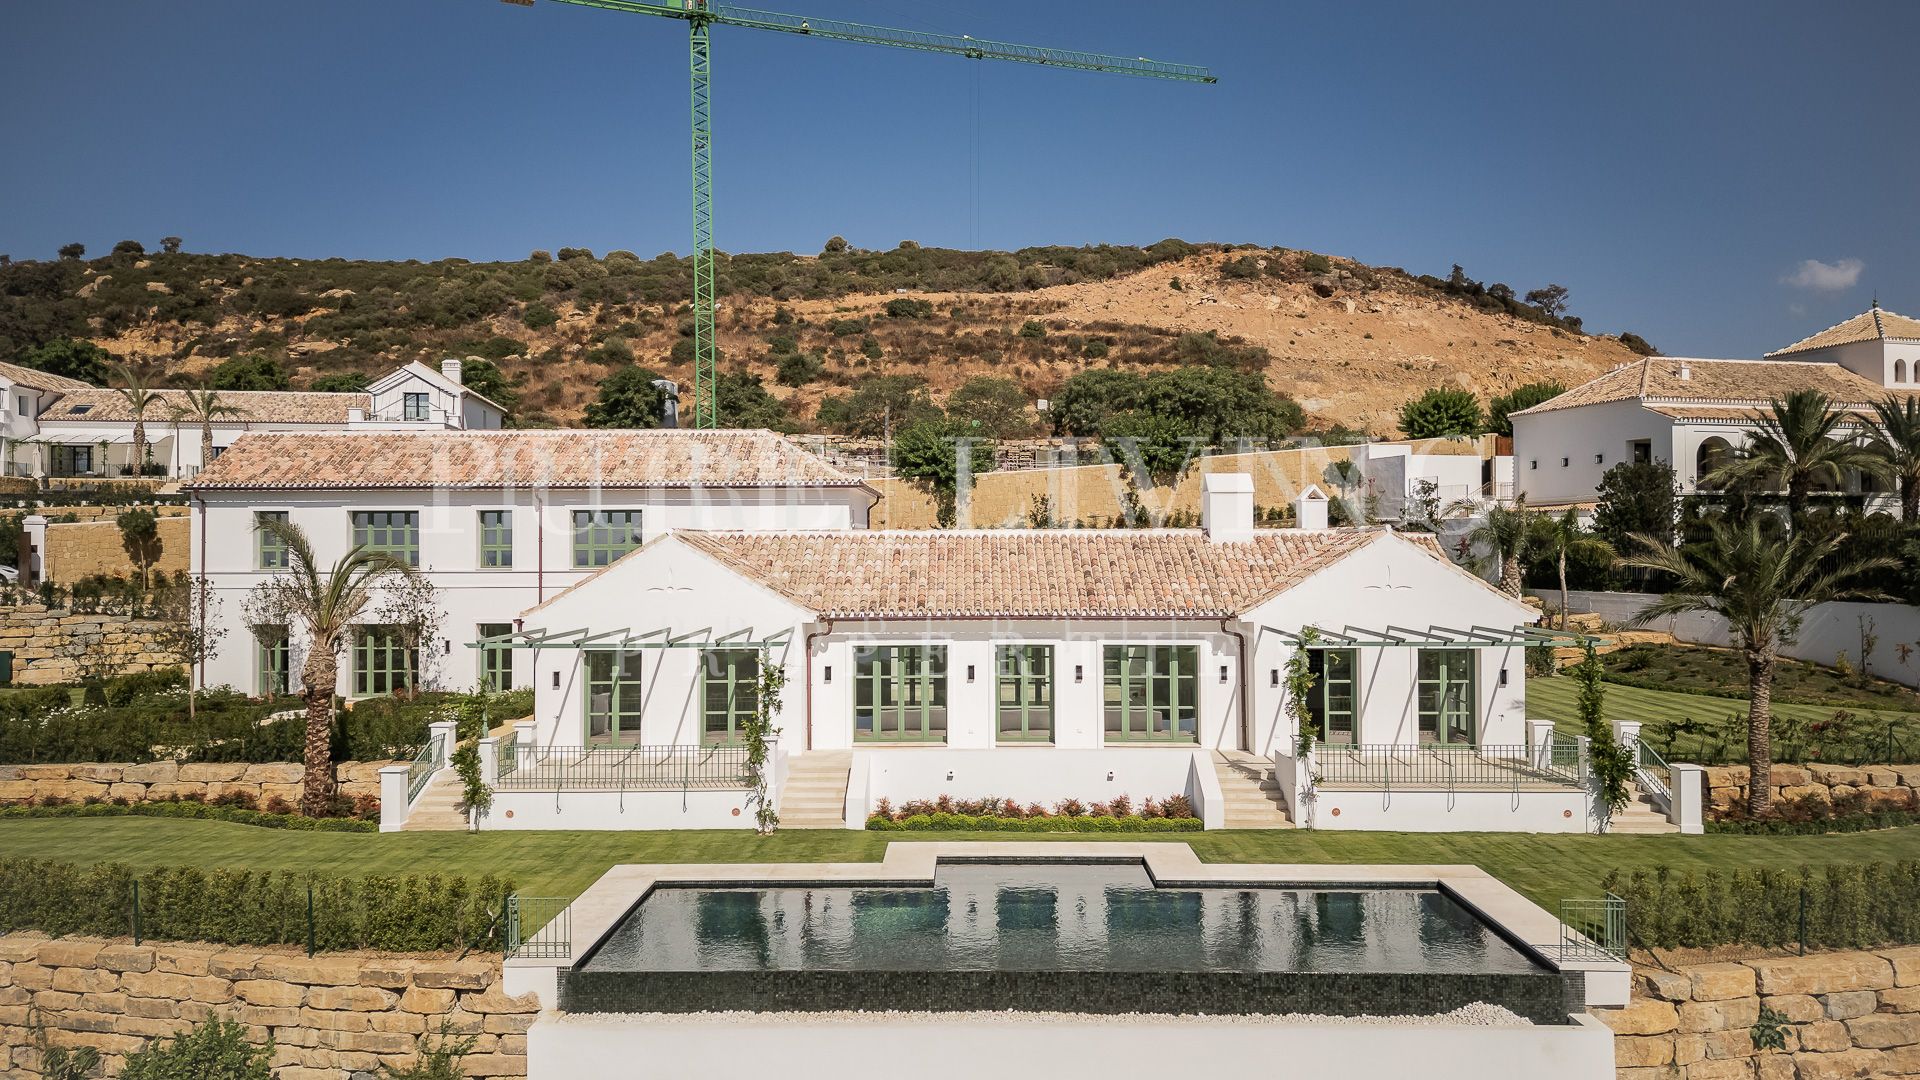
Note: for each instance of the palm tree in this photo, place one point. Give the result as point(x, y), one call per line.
point(1560, 537)
point(1762, 584)
point(1797, 445)
point(140, 397)
point(1508, 536)
point(326, 604)
point(1893, 434)
point(203, 406)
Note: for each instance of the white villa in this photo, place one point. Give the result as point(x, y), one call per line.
point(1691, 412)
point(55, 427)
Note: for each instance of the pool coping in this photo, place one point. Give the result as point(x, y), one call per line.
point(597, 911)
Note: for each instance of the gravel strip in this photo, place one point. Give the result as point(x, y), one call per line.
point(1478, 1014)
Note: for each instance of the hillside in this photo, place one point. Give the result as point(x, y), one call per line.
point(1348, 341)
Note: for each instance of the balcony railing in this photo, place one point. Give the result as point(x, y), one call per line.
point(1593, 929)
point(1439, 767)
point(539, 927)
point(626, 768)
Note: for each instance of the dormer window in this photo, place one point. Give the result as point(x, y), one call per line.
point(79, 410)
point(413, 406)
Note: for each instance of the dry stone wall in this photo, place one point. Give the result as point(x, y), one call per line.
point(1843, 1014)
point(1882, 787)
point(163, 780)
point(48, 643)
point(331, 1017)
point(78, 550)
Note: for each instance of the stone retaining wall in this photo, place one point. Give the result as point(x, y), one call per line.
point(77, 550)
point(163, 780)
point(331, 1017)
point(1884, 787)
point(47, 643)
point(1845, 1014)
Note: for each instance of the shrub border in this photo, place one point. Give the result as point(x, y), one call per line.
point(195, 811)
point(992, 823)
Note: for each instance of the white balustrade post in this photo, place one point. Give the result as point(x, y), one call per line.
point(1627, 734)
point(1689, 799)
point(444, 731)
point(524, 734)
point(393, 798)
point(490, 761)
point(1540, 742)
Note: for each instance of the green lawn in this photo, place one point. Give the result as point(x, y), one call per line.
point(1546, 868)
point(1554, 699)
point(1723, 672)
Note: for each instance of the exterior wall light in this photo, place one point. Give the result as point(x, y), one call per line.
point(556, 680)
point(1223, 673)
point(1079, 673)
point(826, 674)
point(1273, 677)
point(969, 679)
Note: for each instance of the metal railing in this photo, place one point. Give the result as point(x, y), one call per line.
point(422, 768)
point(1655, 777)
point(1563, 751)
point(1593, 929)
point(1438, 766)
point(506, 758)
point(539, 927)
point(627, 768)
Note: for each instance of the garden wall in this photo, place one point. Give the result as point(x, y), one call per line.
point(78, 550)
point(48, 643)
point(1843, 1014)
point(162, 780)
point(331, 1016)
point(1883, 787)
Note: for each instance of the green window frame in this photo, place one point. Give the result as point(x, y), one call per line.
point(601, 536)
point(900, 693)
point(270, 661)
point(729, 693)
point(396, 532)
point(1152, 693)
point(1444, 688)
point(496, 539)
point(496, 660)
point(1023, 693)
point(615, 695)
point(382, 663)
point(1331, 704)
point(269, 553)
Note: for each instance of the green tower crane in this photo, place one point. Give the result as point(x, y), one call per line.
point(700, 16)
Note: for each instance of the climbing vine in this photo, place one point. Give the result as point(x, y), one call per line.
point(758, 734)
point(470, 726)
point(1612, 763)
point(1300, 683)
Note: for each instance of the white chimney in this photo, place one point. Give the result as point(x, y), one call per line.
point(1226, 507)
point(1686, 371)
point(450, 370)
point(1310, 509)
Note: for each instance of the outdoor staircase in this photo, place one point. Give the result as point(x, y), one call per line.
point(1641, 818)
point(438, 808)
point(815, 796)
point(1252, 795)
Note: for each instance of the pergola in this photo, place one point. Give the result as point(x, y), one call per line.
point(625, 638)
point(1433, 637)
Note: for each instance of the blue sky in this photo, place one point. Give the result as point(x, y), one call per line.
point(1676, 165)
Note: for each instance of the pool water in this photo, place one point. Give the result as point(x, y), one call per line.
point(1052, 917)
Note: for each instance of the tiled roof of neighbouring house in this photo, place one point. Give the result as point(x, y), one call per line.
point(93, 405)
point(1873, 324)
point(1047, 573)
point(519, 459)
point(1733, 382)
point(39, 380)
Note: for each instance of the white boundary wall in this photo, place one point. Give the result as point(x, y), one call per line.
point(694, 809)
point(1037, 774)
point(1461, 811)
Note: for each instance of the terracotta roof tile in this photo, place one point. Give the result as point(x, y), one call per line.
point(257, 406)
point(1737, 382)
point(1874, 324)
point(1049, 573)
point(39, 380)
point(489, 459)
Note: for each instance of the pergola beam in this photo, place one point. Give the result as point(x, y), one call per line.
point(1401, 637)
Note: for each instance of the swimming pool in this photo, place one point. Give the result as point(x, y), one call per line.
point(1096, 937)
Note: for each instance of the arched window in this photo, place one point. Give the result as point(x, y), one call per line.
point(1714, 452)
point(1899, 371)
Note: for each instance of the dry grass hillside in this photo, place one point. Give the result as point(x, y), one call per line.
point(1349, 342)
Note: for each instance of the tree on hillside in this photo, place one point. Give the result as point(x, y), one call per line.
point(744, 402)
point(170, 245)
point(73, 251)
point(933, 452)
point(1161, 446)
point(325, 603)
point(1441, 412)
point(254, 371)
point(71, 358)
point(1551, 299)
point(484, 377)
point(1087, 399)
point(140, 397)
point(1219, 405)
point(880, 401)
point(1796, 444)
point(203, 406)
point(995, 407)
point(1521, 397)
point(341, 382)
point(1762, 584)
point(628, 399)
point(1893, 434)
point(130, 247)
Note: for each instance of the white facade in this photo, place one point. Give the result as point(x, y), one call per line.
point(417, 394)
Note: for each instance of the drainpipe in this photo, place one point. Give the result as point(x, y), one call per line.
point(201, 597)
point(540, 551)
point(806, 660)
point(1245, 689)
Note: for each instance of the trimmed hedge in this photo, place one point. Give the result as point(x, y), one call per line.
point(1843, 906)
point(1817, 826)
point(185, 808)
point(994, 823)
point(243, 907)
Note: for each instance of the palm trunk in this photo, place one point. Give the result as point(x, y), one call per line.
point(1760, 732)
point(1563, 588)
point(1909, 500)
point(318, 677)
point(1510, 568)
point(206, 444)
point(1796, 503)
point(139, 447)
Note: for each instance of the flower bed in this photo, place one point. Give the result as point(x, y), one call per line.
point(1172, 814)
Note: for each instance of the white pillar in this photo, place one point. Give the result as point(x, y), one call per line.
point(524, 733)
point(1627, 734)
point(1689, 799)
point(442, 730)
point(34, 526)
point(490, 761)
point(393, 798)
point(1540, 742)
